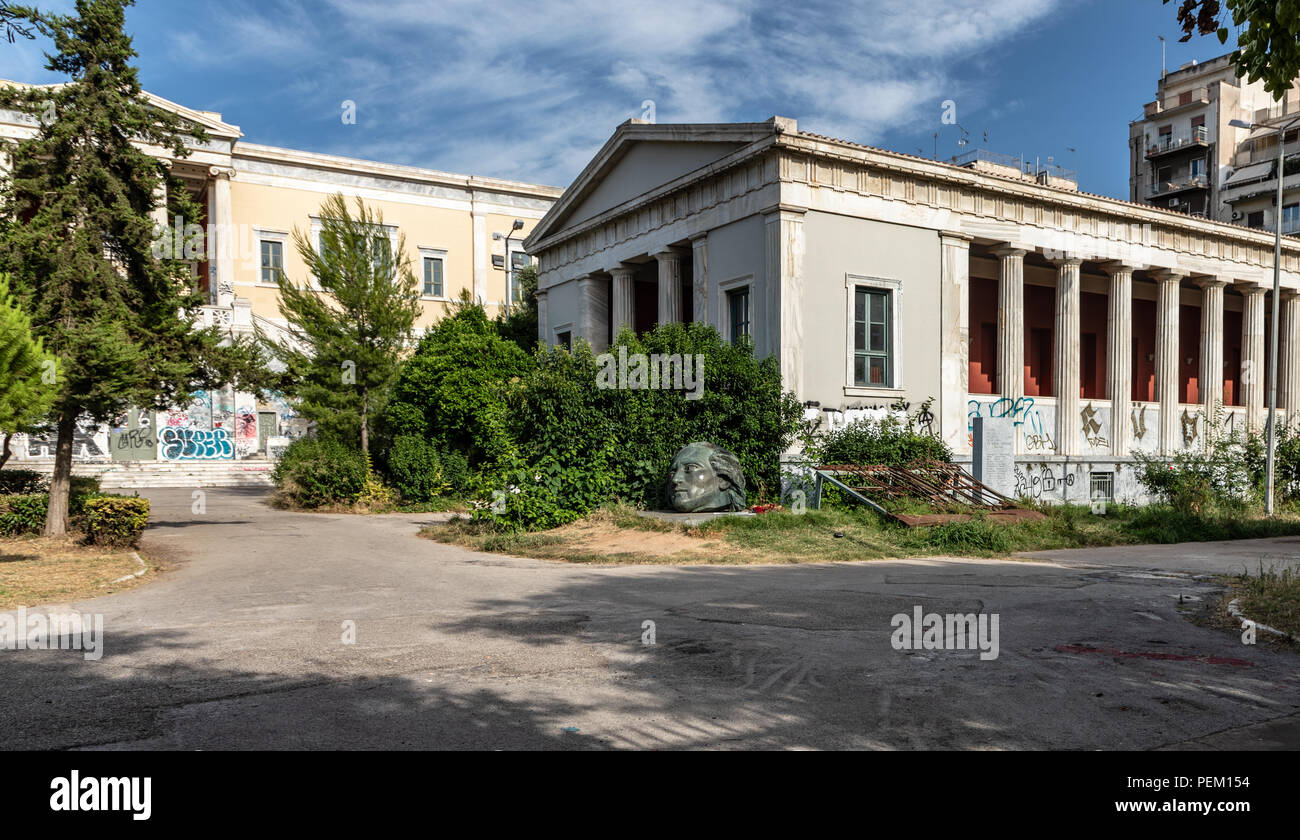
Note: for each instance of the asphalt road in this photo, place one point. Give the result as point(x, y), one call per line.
point(240, 645)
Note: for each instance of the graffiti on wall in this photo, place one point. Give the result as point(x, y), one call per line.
point(177, 443)
point(246, 431)
point(1094, 422)
point(1189, 423)
point(1033, 482)
point(1032, 428)
point(89, 442)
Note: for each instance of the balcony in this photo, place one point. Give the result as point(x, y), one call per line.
point(1186, 99)
point(1177, 185)
point(1199, 137)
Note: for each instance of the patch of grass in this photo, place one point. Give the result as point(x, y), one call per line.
point(1270, 597)
point(46, 570)
point(853, 533)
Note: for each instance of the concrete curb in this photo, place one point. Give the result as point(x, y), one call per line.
point(143, 569)
point(1234, 610)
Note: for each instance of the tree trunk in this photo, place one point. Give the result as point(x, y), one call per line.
point(56, 517)
point(4, 450)
point(365, 433)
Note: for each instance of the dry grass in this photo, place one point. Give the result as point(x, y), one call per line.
point(50, 570)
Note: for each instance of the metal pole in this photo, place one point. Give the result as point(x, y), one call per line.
point(1270, 434)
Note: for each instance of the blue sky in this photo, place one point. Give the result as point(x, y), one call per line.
point(531, 90)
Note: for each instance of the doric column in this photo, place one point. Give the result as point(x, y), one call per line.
point(1289, 370)
point(159, 212)
point(1167, 291)
point(700, 277)
point(1252, 354)
point(1065, 363)
point(1011, 321)
point(543, 325)
point(593, 312)
point(622, 297)
point(670, 286)
point(222, 225)
point(1119, 354)
point(1211, 374)
point(954, 338)
point(783, 269)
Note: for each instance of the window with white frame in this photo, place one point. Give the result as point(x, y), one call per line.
point(270, 255)
point(738, 313)
point(872, 325)
point(432, 263)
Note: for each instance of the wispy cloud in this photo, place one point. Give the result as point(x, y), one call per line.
point(530, 90)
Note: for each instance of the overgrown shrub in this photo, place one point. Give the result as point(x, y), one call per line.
point(317, 473)
point(415, 469)
point(1227, 476)
point(23, 513)
point(23, 482)
point(890, 440)
point(116, 520)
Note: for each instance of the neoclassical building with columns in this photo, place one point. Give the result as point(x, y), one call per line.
point(1101, 327)
point(462, 233)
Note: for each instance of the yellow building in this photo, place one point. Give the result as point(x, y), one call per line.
point(462, 233)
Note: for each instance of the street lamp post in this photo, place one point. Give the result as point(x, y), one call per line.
point(1270, 428)
point(505, 263)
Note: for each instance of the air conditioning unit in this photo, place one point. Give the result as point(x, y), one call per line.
point(1173, 202)
point(1237, 215)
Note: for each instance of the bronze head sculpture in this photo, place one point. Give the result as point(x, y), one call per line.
point(704, 477)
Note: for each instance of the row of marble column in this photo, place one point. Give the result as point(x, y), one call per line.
point(606, 306)
point(1119, 355)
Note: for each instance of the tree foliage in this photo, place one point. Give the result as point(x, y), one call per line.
point(349, 331)
point(1268, 47)
point(78, 235)
point(27, 372)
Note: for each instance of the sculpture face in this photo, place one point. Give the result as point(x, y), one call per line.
point(695, 484)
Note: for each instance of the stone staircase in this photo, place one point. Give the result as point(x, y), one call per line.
point(137, 475)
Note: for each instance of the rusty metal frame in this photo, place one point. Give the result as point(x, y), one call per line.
point(935, 482)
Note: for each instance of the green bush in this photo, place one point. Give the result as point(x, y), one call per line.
point(22, 482)
point(548, 494)
point(1227, 477)
point(23, 514)
point(415, 469)
point(316, 473)
point(116, 520)
point(454, 390)
point(889, 441)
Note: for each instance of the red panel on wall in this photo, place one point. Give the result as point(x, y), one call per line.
point(983, 330)
point(1189, 354)
point(1040, 324)
point(1093, 314)
point(1144, 350)
point(1232, 359)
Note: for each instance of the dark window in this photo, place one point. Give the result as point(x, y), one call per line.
point(738, 313)
point(1255, 220)
point(872, 339)
point(566, 339)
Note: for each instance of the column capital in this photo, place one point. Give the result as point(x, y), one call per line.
point(697, 238)
point(1290, 294)
point(1009, 250)
point(1209, 281)
point(670, 252)
point(1166, 275)
point(955, 237)
point(221, 172)
point(622, 270)
point(1249, 288)
point(775, 212)
point(1062, 259)
point(1113, 267)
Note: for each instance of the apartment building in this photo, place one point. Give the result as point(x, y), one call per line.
point(462, 233)
point(1187, 155)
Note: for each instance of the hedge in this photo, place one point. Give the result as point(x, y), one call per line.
point(116, 520)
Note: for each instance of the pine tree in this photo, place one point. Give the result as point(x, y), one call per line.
point(27, 372)
point(350, 331)
point(77, 237)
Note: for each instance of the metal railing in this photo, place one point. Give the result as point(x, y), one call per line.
point(1199, 136)
point(1176, 184)
point(1031, 168)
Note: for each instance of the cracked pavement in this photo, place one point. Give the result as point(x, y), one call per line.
point(239, 645)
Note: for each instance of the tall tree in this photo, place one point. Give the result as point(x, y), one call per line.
point(78, 236)
point(1269, 46)
point(350, 328)
point(27, 372)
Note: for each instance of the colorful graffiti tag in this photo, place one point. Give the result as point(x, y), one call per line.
point(186, 444)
